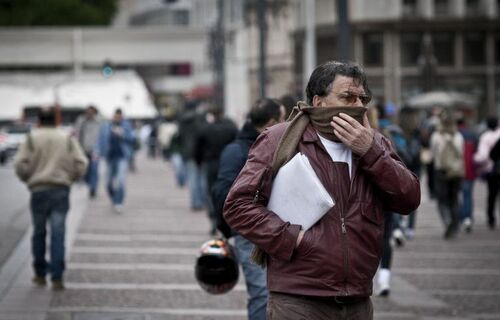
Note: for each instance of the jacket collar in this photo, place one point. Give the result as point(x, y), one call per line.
point(310, 134)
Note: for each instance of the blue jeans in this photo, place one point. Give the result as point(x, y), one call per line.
point(49, 206)
point(467, 204)
point(92, 175)
point(179, 167)
point(255, 279)
point(117, 172)
point(197, 185)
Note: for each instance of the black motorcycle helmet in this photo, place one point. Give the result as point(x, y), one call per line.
point(216, 268)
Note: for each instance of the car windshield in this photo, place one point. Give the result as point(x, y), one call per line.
point(18, 130)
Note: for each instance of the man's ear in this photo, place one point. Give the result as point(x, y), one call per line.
point(316, 102)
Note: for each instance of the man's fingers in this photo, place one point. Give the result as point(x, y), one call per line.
point(342, 131)
point(353, 122)
point(342, 122)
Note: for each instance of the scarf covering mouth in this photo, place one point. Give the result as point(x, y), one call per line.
point(321, 117)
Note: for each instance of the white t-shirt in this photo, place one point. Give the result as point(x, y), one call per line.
point(338, 152)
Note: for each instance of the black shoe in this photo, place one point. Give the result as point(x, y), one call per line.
point(384, 293)
point(92, 194)
point(491, 224)
point(451, 231)
point(57, 285)
point(39, 281)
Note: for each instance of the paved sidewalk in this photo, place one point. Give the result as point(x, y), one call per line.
point(140, 264)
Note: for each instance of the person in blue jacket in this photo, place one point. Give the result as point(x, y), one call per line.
point(264, 113)
point(115, 144)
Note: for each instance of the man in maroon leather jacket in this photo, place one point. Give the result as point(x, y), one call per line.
point(326, 272)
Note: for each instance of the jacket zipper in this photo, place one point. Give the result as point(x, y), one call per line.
point(259, 187)
point(344, 244)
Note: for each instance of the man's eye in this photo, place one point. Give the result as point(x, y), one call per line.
point(365, 99)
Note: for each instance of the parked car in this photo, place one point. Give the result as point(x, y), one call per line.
point(12, 137)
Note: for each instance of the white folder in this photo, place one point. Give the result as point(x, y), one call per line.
point(298, 196)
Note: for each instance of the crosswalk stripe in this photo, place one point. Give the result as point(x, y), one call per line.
point(140, 286)
point(130, 266)
point(136, 250)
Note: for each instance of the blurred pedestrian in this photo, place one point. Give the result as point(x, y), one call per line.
point(487, 167)
point(324, 272)
point(288, 101)
point(49, 161)
point(190, 123)
point(264, 113)
point(395, 231)
point(211, 139)
point(87, 128)
point(466, 206)
point(116, 143)
point(447, 146)
point(427, 158)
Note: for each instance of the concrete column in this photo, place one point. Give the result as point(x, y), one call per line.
point(397, 69)
point(388, 66)
point(426, 8)
point(458, 8)
point(490, 73)
point(490, 8)
point(309, 39)
point(77, 51)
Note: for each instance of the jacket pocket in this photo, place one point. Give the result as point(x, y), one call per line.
point(372, 214)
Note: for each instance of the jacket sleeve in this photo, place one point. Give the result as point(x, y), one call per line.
point(245, 207)
point(398, 187)
point(80, 161)
point(23, 162)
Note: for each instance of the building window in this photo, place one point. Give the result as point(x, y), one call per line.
point(473, 8)
point(474, 48)
point(373, 49)
point(444, 48)
point(410, 8)
point(441, 8)
point(410, 48)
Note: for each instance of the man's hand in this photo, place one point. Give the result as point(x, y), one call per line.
point(299, 238)
point(355, 136)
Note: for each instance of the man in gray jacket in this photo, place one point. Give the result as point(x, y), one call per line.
point(87, 131)
point(49, 161)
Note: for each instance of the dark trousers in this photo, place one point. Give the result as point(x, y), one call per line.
point(447, 191)
point(49, 207)
point(493, 180)
point(282, 306)
point(386, 261)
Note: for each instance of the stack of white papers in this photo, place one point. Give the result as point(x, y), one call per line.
point(298, 196)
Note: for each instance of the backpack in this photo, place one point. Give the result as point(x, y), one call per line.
point(452, 162)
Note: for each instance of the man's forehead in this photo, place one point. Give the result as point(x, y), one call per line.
point(344, 83)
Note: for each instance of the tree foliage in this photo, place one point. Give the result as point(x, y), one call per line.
point(56, 12)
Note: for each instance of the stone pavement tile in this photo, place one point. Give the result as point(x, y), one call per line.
point(23, 316)
point(32, 299)
point(131, 276)
point(132, 298)
point(131, 258)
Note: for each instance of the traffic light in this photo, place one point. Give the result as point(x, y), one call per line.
point(107, 69)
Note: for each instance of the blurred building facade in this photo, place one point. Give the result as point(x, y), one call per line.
point(406, 47)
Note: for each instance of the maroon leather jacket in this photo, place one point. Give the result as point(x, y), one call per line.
point(339, 255)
